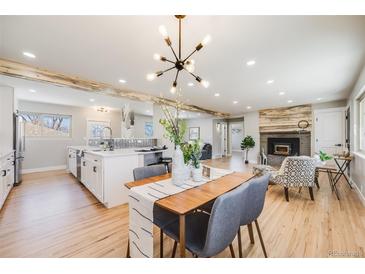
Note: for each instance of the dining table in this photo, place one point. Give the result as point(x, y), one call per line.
point(189, 200)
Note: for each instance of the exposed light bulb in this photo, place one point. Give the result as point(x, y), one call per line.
point(157, 56)
point(173, 88)
point(162, 29)
point(206, 40)
point(151, 76)
point(190, 66)
point(205, 83)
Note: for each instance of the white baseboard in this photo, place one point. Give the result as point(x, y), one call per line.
point(43, 169)
point(361, 196)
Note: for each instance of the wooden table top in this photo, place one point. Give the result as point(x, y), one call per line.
point(188, 200)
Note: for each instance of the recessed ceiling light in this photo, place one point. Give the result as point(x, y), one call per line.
point(290, 101)
point(92, 100)
point(250, 63)
point(190, 84)
point(122, 81)
point(269, 82)
point(198, 114)
point(29, 54)
point(319, 99)
point(216, 94)
point(248, 107)
point(32, 90)
point(281, 93)
point(235, 102)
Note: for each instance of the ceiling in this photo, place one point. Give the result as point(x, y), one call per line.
point(308, 57)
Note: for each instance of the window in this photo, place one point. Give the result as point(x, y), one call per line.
point(46, 125)
point(95, 129)
point(148, 129)
point(362, 122)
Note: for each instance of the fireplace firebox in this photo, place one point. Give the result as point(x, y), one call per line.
point(283, 146)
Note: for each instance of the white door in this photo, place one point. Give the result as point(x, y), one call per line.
point(329, 130)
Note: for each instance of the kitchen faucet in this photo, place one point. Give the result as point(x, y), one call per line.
point(110, 145)
point(110, 131)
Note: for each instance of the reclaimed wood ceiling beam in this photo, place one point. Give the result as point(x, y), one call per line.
point(28, 72)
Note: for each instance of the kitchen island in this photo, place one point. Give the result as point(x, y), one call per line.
point(103, 172)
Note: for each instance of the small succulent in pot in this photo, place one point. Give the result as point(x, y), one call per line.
point(323, 157)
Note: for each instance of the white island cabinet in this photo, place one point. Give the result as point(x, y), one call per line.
point(104, 173)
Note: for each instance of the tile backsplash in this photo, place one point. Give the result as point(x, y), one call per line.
point(119, 143)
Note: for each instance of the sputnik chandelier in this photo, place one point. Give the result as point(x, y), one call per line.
point(179, 63)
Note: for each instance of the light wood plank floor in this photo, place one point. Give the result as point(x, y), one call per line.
point(52, 215)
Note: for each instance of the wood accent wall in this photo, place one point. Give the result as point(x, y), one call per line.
point(284, 119)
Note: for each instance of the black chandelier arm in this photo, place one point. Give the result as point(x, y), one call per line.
point(189, 55)
point(172, 49)
point(159, 73)
point(195, 76)
point(177, 75)
point(167, 60)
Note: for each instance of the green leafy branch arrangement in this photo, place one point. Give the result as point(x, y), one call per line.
point(175, 128)
point(192, 152)
point(324, 156)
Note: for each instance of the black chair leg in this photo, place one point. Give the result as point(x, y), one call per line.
point(250, 233)
point(232, 251)
point(161, 243)
point(128, 255)
point(239, 242)
point(174, 250)
point(286, 191)
point(311, 193)
point(260, 236)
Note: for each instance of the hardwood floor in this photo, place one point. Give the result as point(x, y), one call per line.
point(52, 215)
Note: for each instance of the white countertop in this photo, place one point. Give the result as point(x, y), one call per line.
point(114, 153)
point(122, 152)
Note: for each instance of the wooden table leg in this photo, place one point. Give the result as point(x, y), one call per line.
point(182, 235)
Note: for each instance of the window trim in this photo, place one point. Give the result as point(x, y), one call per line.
point(360, 99)
point(43, 137)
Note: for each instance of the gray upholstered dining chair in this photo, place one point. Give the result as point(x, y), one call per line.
point(161, 217)
point(252, 207)
point(140, 173)
point(208, 235)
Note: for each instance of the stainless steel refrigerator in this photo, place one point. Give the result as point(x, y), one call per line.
point(19, 146)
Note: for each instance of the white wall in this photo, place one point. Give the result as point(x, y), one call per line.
point(358, 163)
point(52, 152)
point(206, 129)
point(139, 123)
point(251, 126)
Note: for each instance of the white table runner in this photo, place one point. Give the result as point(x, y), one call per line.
point(141, 200)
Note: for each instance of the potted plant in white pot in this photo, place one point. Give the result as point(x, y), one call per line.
point(196, 153)
point(247, 143)
point(322, 157)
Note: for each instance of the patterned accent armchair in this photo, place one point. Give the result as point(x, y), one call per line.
point(296, 172)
